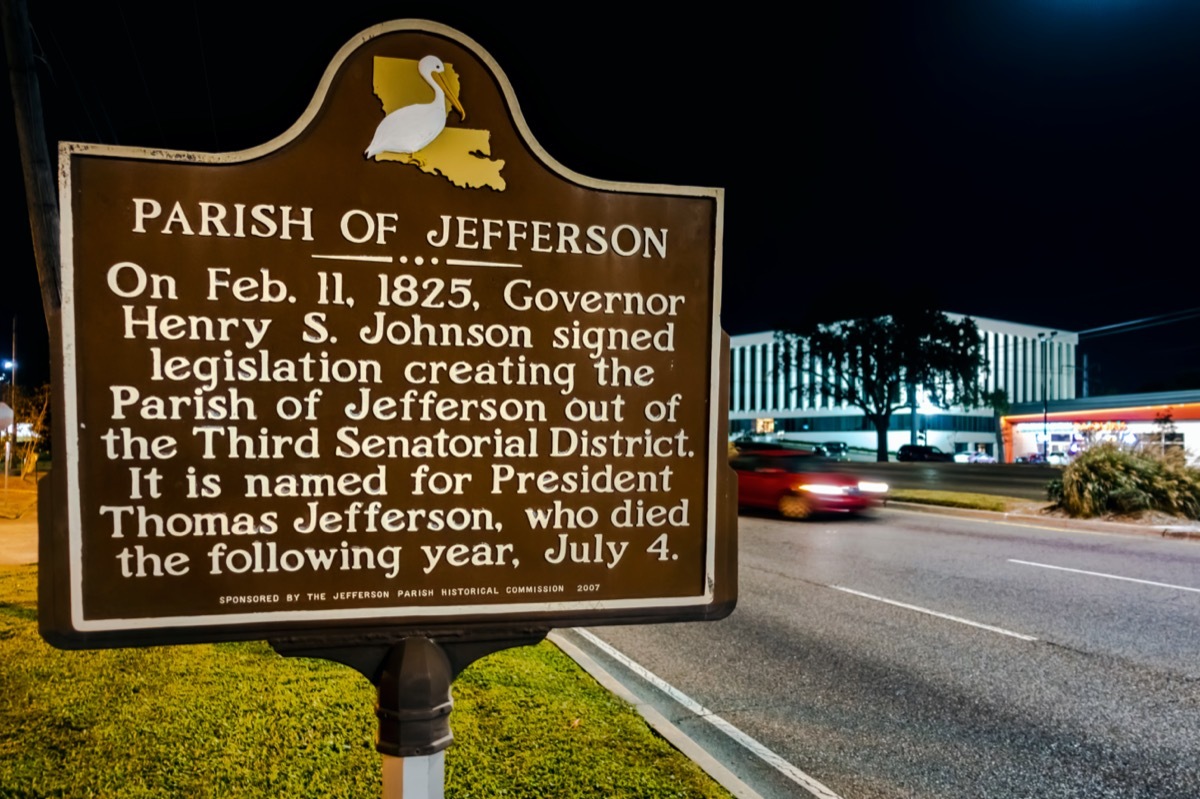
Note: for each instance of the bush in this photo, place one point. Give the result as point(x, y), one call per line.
point(1108, 479)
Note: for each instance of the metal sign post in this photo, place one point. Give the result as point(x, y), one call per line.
point(413, 677)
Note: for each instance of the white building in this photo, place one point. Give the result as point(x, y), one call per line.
point(1031, 364)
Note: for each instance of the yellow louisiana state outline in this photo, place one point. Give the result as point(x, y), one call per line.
point(458, 154)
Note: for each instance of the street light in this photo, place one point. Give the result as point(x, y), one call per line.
point(1044, 339)
point(10, 366)
point(10, 442)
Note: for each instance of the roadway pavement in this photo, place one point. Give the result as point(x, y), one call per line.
point(18, 546)
point(718, 761)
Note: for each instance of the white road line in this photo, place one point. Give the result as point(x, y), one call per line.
point(782, 766)
point(946, 616)
point(1102, 574)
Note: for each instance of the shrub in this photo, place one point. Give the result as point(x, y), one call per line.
point(1108, 479)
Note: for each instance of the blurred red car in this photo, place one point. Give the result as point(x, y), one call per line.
point(799, 483)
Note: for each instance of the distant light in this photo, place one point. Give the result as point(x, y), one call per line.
point(9, 364)
point(923, 403)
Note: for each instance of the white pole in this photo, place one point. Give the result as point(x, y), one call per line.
point(12, 449)
point(414, 777)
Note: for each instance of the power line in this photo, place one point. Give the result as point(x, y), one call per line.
point(141, 74)
point(1140, 324)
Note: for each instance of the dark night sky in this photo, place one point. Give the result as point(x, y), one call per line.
point(1027, 160)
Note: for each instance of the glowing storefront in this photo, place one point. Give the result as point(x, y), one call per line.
point(1165, 420)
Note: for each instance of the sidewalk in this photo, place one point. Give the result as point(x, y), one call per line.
point(18, 522)
point(18, 542)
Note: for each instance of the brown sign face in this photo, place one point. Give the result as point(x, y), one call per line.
point(395, 367)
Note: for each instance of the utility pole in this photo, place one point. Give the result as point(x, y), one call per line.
point(10, 444)
point(12, 388)
point(41, 191)
point(1044, 339)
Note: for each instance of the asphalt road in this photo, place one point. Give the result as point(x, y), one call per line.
point(1080, 685)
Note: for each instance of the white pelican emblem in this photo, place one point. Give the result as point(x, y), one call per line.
point(406, 130)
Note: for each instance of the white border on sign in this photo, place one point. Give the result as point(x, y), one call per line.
point(399, 613)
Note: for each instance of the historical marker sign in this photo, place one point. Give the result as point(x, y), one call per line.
point(397, 368)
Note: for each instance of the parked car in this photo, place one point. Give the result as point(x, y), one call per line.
point(748, 445)
point(921, 452)
point(1053, 458)
point(974, 456)
point(837, 450)
point(799, 483)
point(742, 439)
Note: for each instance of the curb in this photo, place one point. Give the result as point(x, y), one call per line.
point(1190, 532)
point(675, 736)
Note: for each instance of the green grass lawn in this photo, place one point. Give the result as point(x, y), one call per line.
point(238, 720)
point(959, 499)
